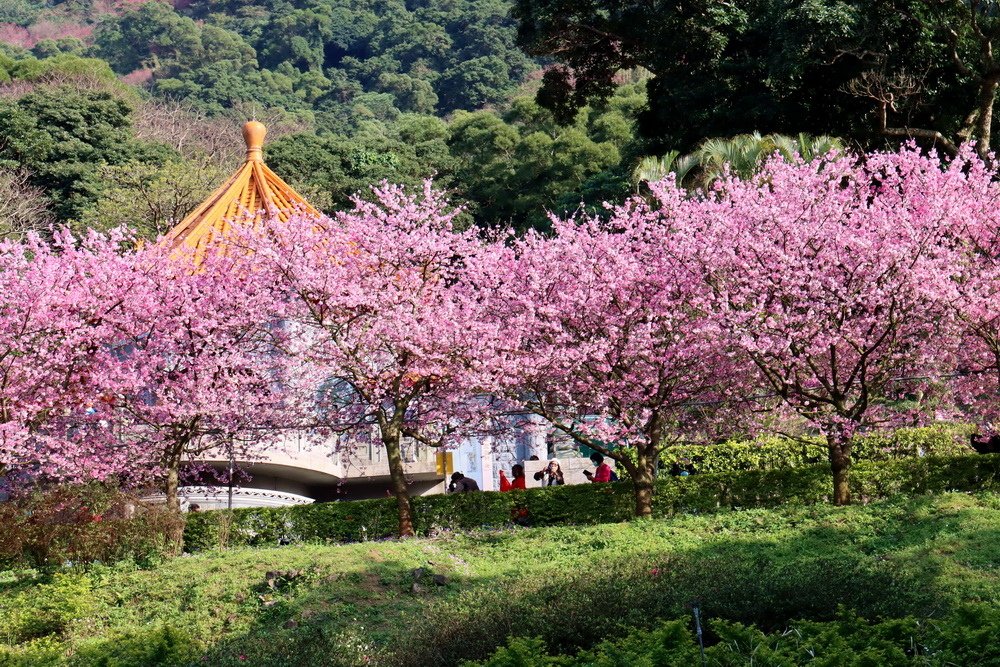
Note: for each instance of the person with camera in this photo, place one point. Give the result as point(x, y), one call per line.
point(551, 475)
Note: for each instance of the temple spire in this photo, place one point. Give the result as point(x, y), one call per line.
point(253, 193)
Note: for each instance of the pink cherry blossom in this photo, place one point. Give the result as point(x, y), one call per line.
point(608, 338)
point(819, 284)
point(383, 331)
point(126, 363)
point(970, 292)
point(824, 275)
point(55, 305)
point(199, 358)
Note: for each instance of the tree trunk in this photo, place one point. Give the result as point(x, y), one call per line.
point(642, 484)
point(397, 477)
point(840, 464)
point(643, 495)
point(984, 122)
point(172, 492)
point(172, 466)
point(171, 487)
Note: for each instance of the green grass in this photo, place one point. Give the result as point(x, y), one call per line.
point(570, 585)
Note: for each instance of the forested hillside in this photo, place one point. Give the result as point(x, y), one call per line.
point(327, 57)
point(128, 113)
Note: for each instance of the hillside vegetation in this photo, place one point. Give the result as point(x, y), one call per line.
point(517, 107)
point(453, 597)
point(353, 92)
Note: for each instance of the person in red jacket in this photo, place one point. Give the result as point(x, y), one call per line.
point(519, 479)
point(603, 470)
point(517, 483)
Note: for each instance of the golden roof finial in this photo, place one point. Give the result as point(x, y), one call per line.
point(253, 135)
point(253, 193)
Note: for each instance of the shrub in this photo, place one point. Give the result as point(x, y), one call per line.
point(960, 638)
point(775, 453)
point(935, 440)
point(46, 652)
point(587, 503)
point(157, 646)
point(763, 582)
point(45, 610)
point(670, 644)
point(82, 524)
point(35, 619)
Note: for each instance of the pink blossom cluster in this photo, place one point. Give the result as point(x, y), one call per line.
point(122, 363)
point(382, 328)
point(28, 37)
point(845, 288)
point(841, 281)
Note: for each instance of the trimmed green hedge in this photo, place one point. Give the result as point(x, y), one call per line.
point(776, 452)
point(585, 504)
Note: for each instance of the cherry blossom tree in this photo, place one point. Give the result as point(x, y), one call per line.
point(378, 312)
point(128, 363)
point(202, 356)
point(972, 295)
point(603, 336)
point(824, 274)
point(55, 304)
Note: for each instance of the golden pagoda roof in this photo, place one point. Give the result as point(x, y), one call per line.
point(253, 192)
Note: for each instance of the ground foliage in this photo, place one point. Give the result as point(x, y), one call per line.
point(573, 586)
point(776, 452)
point(958, 638)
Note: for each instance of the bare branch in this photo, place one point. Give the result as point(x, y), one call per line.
point(23, 207)
point(887, 93)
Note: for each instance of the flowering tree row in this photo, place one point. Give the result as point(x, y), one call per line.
point(814, 285)
point(820, 285)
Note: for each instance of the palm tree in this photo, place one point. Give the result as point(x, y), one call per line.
point(651, 168)
point(741, 155)
point(806, 146)
point(744, 154)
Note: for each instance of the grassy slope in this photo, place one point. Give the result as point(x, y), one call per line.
point(919, 555)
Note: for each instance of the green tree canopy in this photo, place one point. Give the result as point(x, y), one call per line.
point(867, 70)
point(318, 54)
point(408, 151)
point(514, 169)
point(62, 136)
